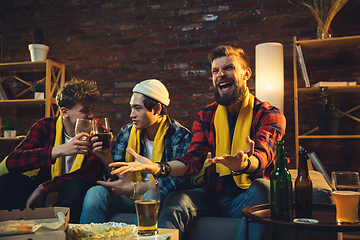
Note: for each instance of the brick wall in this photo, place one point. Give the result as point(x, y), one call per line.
point(119, 43)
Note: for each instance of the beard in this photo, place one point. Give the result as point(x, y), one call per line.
point(235, 97)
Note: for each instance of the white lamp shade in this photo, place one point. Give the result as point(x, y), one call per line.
point(269, 73)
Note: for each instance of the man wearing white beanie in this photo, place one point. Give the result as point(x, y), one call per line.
point(153, 134)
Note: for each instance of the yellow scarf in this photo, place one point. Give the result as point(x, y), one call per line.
point(158, 148)
point(222, 141)
point(57, 167)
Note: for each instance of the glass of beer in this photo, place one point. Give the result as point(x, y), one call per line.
point(101, 129)
point(83, 125)
point(346, 195)
point(147, 204)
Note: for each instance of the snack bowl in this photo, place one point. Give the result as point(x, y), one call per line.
point(109, 230)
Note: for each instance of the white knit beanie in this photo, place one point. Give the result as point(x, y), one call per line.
point(155, 89)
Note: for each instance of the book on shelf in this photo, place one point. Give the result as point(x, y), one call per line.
point(318, 166)
point(7, 89)
point(333, 84)
point(2, 93)
point(302, 66)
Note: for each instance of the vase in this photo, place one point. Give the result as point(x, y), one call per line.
point(328, 122)
point(38, 52)
point(9, 133)
point(322, 33)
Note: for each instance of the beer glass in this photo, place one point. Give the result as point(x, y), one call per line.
point(101, 129)
point(147, 204)
point(346, 195)
point(82, 125)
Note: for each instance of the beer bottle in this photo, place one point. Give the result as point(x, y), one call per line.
point(303, 188)
point(280, 187)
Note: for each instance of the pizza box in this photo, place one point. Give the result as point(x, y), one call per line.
point(51, 222)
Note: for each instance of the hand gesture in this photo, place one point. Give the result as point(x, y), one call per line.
point(122, 186)
point(36, 198)
point(72, 147)
point(97, 146)
point(141, 164)
point(238, 161)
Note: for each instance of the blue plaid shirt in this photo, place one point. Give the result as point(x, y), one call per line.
point(177, 141)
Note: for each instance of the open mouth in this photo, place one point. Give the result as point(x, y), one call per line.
point(225, 86)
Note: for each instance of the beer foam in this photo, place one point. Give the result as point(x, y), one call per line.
point(346, 193)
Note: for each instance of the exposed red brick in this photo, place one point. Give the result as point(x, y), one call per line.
point(217, 9)
point(162, 14)
point(148, 8)
point(138, 76)
point(152, 23)
point(125, 26)
point(150, 38)
point(162, 29)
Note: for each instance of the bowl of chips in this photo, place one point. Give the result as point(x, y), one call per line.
point(109, 230)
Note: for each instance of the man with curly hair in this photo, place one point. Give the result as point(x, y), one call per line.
point(52, 166)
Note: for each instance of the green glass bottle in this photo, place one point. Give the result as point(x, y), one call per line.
point(303, 188)
point(280, 187)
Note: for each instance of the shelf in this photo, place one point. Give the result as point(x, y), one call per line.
point(318, 45)
point(339, 89)
point(17, 102)
point(339, 42)
point(54, 79)
point(12, 138)
point(18, 66)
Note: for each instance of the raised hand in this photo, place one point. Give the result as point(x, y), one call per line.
point(141, 164)
point(98, 146)
point(72, 147)
point(238, 161)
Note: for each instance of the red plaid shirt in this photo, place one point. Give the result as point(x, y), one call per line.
point(267, 127)
point(34, 152)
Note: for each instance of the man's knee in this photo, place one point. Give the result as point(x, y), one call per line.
point(95, 195)
point(260, 188)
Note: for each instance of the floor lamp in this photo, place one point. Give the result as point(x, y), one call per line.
point(269, 73)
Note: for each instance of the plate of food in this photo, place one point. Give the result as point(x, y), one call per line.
point(305, 220)
point(109, 230)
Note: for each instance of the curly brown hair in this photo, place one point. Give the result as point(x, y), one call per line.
point(75, 91)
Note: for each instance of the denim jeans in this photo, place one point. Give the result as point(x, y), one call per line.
point(181, 207)
point(100, 202)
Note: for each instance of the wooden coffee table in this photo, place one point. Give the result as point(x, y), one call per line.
point(324, 213)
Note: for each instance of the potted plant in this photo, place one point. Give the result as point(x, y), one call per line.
point(325, 111)
point(38, 89)
point(9, 127)
point(38, 51)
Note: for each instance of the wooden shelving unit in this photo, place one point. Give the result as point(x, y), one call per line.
point(321, 44)
point(54, 79)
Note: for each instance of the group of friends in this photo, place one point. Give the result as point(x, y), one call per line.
point(217, 169)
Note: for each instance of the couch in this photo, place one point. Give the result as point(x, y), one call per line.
point(226, 228)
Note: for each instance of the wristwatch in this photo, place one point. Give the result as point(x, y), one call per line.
point(237, 173)
point(164, 170)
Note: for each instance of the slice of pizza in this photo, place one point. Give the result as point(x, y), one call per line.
point(16, 227)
